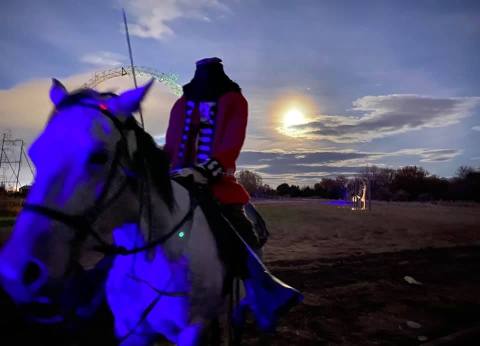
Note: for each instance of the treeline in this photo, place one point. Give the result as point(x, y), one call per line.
point(410, 183)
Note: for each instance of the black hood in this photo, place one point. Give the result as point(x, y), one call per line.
point(209, 82)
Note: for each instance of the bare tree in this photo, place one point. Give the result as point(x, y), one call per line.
point(464, 171)
point(251, 181)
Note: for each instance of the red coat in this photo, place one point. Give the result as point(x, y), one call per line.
point(229, 135)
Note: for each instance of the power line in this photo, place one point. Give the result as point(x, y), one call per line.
point(12, 158)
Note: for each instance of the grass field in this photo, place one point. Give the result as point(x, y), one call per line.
point(351, 266)
point(306, 229)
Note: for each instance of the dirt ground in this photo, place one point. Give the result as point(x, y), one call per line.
point(351, 267)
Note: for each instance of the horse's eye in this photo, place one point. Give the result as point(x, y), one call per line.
point(98, 158)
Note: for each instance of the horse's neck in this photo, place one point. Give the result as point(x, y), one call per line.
point(162, 216)
point(163, 220)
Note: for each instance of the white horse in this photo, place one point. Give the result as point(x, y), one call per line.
point(97, 171)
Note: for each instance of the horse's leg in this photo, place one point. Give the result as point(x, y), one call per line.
point(214, 332)
point(141, 335)
point(138, 340)
point(237, 312)
point(265, 339)
point(192, 335)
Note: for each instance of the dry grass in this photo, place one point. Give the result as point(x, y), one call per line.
point(304, 229)
point(350, 266)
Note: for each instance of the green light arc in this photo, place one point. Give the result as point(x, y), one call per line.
point(167, 79)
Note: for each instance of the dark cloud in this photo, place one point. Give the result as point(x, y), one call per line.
point(301, 158)
point(389, 115)
point(299, 169)
point(312, 165)
point(439, 155)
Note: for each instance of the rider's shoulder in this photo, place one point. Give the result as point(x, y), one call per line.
point(180, 102)
point(233, 97)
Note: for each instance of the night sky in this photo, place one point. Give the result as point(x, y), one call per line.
point(332, 86)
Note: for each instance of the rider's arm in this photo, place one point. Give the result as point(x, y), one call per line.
point(174, 129)
point(229, 140)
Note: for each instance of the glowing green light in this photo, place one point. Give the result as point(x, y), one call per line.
point(181, 234)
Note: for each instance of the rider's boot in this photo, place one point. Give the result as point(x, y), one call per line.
point(266, 296)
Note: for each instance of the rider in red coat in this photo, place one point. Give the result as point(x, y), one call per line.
point(227, 137)
point(205, 134)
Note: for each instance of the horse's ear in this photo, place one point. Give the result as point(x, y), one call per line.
point(57, 92)
point(129, 101)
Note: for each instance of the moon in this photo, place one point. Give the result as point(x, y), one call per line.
point(293, 117)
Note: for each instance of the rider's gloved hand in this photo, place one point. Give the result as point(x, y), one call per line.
point(212, 169)
point(203, 173)
point(197, 176)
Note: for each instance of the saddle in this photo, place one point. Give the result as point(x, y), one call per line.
point(267, 297)
point(222, 229)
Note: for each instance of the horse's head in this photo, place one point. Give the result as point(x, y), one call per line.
point(84, 164)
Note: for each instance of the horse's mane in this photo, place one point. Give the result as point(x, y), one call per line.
point(154, 159)
point(157, 163)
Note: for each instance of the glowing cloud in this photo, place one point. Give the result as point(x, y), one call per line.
point(388, 115)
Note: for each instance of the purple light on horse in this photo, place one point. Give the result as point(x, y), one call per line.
point(104, 192)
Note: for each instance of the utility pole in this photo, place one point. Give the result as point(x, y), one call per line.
point(132, 66)
point(19, 165)
point(1, 160)
point(15, 148)
point(3, 142)
point(27, 160)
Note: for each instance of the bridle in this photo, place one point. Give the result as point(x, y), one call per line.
point(83, 223)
